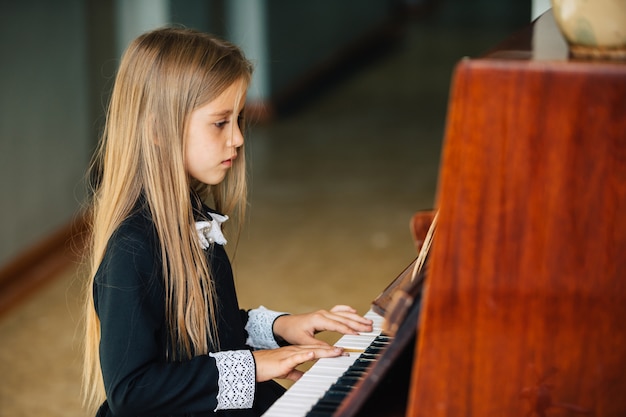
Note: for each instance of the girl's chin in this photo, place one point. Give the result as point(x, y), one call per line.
point(211, 181)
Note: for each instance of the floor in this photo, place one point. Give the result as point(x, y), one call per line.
point(333, 187)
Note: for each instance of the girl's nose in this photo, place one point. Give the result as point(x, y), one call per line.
point(236, 139)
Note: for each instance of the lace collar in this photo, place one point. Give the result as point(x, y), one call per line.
point(211, 231)
point(208, 223)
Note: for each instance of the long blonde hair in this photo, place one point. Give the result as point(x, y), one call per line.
point(163, 76)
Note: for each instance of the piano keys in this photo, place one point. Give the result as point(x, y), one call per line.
point(372, 380)
point(301, 397)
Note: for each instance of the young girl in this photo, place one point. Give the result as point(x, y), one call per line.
point(164, 332)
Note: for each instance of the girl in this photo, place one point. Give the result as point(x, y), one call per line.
point(164, 332)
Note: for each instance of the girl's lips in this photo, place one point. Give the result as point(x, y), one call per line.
point(230, 161)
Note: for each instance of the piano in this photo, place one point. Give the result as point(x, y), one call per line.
point(520, 307)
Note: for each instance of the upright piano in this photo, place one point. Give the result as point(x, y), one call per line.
point(519, 308)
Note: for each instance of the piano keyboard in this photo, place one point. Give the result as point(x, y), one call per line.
point(319, 391)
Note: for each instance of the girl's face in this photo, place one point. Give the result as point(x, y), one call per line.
point(213, 136)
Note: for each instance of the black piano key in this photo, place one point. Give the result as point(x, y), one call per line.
point(363, 362)
point(365, 356)
point(347, 380)
point(319, 414)
point(329, 406)
point(356, 373)
point(334, 397)
point(336, 394)
point(375, 350)
point(342, 388)
point(322, 407)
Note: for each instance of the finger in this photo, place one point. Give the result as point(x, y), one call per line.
point(307, 339)
point(307, 353)
point(327, 352)
point(316, 348)
point(339, 327)
point(294, 375)
point(352, 319)
point(342, 308)
point(350, 313)
point(302, 357)
point(347, 324)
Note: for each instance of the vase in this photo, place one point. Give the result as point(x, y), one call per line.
point(593, 29)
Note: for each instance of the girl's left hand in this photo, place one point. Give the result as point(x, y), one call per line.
point(300, 329)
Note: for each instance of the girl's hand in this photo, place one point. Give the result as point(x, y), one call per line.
point(281, 362)
point(300, 329)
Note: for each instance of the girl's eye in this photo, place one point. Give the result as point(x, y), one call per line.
point(220, 125)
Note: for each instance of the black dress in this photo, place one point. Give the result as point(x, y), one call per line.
point(129, 300)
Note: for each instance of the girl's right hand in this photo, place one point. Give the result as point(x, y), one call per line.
point(281, 362)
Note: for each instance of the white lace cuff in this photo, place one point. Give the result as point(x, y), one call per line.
point(237, 376)
point(260, 328)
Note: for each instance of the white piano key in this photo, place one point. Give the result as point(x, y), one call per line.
point(355, 342)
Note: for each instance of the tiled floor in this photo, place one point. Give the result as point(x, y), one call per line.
point(333, 187)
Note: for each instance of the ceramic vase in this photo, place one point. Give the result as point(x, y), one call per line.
point(593, 29)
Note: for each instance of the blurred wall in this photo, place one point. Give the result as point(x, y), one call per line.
point(304, 35)
point(286, 39)
point(44, 143)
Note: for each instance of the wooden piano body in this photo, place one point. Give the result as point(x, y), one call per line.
point(524, 306)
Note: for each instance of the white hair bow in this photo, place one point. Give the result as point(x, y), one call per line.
point(211, 231)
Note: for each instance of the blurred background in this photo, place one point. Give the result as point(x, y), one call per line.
point(349, 99)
